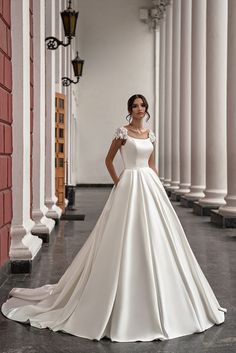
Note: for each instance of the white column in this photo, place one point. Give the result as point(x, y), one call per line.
point(156, 39)
point(168, 96)
point(64, 89)
point(160, 151)
point(73, 117)
point(185, 98)
point(74, 134)
point(58, 53)
point(216, 67)
point(198, 108)
point(175, 96)
point(50, 199)
point(24, 245)
point(43, 225)
point(69, 117)
point(230, 207)
point(64, 72)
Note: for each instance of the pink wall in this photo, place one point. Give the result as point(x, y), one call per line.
point(5, 129)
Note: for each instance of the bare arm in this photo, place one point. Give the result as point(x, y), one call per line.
point(115, 145)
point(151, 162)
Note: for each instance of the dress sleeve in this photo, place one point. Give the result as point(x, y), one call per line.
point(152, 136)
point(120, 133)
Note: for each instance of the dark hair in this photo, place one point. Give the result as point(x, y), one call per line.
point(131, 102)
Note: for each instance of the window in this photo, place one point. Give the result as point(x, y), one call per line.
point(60, 148)
point(61, 118)
point(61, 133)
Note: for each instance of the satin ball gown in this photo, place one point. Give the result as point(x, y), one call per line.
point(136, 277)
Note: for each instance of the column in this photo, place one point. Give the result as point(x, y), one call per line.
point(168, 97)
point(69, 90)
point(50, 199)
point(230, 208)
point(24, 246)
point(198, 108)
point(175, 96)
point(43, 225)
point(160, 151)
point(156, 45)
point(185, 98)
point(64, 89)
point(64, 72)
point(58, 53)
point(216, 66)
point(73, 118)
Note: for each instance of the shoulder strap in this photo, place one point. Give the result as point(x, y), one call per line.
point(152, 136)
point(121, 132)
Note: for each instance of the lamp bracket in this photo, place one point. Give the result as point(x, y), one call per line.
point(66, 81)
point(53, 43)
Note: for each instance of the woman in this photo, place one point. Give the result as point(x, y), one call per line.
point(135, 278)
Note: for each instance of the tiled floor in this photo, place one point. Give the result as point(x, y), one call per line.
point(214, 248)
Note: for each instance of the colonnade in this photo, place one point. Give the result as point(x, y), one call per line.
point(197, 145)
point(35, 209)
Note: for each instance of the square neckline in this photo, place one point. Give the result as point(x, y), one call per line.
point(136, 138)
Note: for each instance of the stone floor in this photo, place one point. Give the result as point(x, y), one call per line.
point(214, 248)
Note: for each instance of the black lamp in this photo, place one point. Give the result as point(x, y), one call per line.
point(69, 19)
point(77, 64)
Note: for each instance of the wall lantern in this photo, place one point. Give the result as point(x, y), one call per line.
point(69, 19)
point(77, 64)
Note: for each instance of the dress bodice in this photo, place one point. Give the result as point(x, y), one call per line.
point(135, 152)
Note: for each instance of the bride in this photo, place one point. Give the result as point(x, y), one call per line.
point(136, 277)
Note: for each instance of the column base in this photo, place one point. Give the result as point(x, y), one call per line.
point(213, 197)
point(54, 211)
point(43, 228)
point(166, 183)
point(182, 191)
point(227, 211)
point(170, 190)
point(196, 191)
point(223, 221)
point(194, 195)
point(187, 201)
point(203, 210)
point(174, 196)
point(24, 266)
point(43, 225)
point(24, 247)
point(172, 187)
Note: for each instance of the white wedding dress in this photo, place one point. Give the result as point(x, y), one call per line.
point(136, 277)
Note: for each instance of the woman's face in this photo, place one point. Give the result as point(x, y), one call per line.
point(138, 109)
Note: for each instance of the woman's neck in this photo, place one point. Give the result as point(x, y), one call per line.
point(137, 124)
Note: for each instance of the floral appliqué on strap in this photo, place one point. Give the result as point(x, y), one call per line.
point(152, 136)
point(120, 133)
